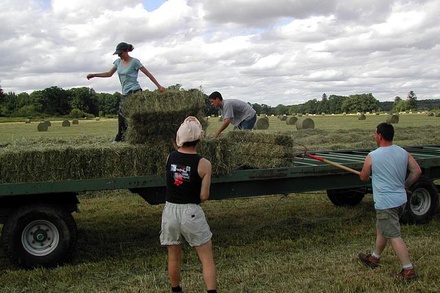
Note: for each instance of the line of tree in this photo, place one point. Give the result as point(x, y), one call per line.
point(84, 102)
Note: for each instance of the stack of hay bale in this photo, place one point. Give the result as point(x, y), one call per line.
point(153, 120)
point(32, 163)
point(155, 115)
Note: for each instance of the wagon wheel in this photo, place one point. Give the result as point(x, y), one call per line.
point(422, 202)
point(39, 235)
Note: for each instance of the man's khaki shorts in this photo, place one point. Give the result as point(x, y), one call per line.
point(182, 222)
point(387, 221)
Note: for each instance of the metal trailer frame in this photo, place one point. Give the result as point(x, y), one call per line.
point(39, 229)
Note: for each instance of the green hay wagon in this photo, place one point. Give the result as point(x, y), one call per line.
point(39, 229)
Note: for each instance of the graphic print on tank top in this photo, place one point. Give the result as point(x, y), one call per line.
point(181, 173)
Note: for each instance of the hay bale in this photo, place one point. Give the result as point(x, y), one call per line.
point(75, 121)
point(34, 163)
point(306, 123)
point(243, 137)
point(48, 123)
point(66, 123)
point(220, 153)
point(154, 114)
point(291, 120)
point(42, 126)
point(393, 118)
point(437, 114)
point(362, 117)
point(27, 121)
point(251, 149)
point(262, 123)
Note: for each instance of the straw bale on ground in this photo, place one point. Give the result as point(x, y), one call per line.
point(393, 119)
point(291, 120)
point(262, 123)
point(42, 126)
point(306, 123)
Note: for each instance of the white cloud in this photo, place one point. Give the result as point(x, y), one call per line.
point(272, 52)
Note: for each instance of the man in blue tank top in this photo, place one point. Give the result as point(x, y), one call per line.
point(183, 220)
point(389, 165)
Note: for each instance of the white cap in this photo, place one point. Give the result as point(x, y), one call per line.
point(190, 130)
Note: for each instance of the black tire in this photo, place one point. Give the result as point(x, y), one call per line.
point(39, 236)
point(422, 202)
point(346, 197)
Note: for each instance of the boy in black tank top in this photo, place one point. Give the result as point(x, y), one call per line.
point(183, 220)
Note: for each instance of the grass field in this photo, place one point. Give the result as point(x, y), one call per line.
point(280, 243)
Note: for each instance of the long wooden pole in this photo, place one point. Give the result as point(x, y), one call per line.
point(333, 163)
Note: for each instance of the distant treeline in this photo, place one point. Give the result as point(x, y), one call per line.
point(85, 102)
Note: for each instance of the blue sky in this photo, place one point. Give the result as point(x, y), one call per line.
point(151, 5)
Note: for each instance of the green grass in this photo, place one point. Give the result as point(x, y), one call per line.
point(292, 243)
point(102, 130)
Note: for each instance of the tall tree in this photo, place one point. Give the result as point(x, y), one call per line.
point(108, 103)
point(360, 103)
point(323, 106)
point(311, 107)
point(2, 94)
point(335, 104)
point(257, 108)
point(412, 101)
point(84, 99)
point(55, 101)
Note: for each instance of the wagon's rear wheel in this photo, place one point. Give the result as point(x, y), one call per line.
point(346, 197)
point(422, 202)
point(39, 235)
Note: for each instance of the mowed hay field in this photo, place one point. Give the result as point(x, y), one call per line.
point(280, 243)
